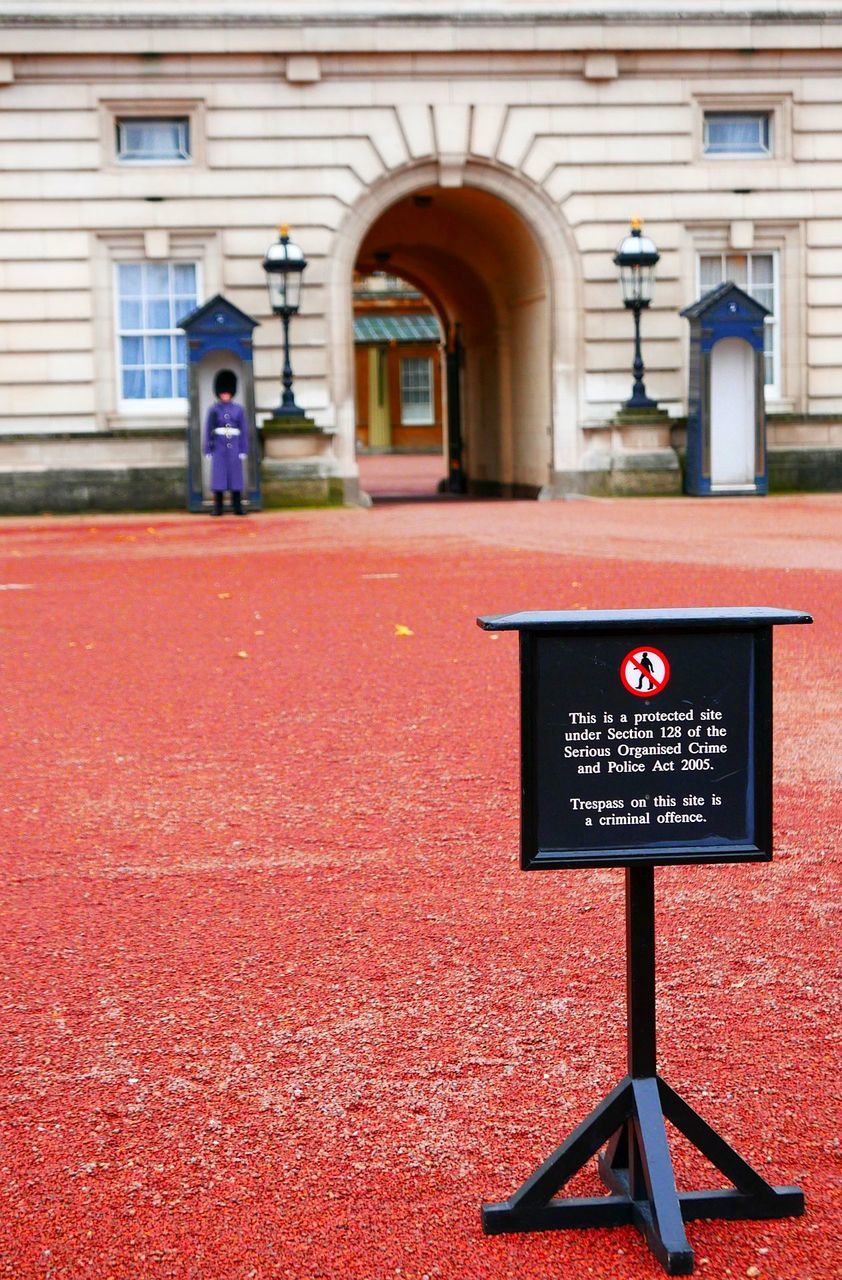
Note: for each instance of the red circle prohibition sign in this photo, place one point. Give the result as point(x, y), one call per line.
point(638, 666)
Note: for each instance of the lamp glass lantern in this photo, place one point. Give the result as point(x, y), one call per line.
point(284, 265)
point(636, 259)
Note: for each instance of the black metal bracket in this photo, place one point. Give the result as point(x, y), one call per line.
point(636, 1165)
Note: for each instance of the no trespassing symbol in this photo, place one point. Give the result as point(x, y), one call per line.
point(645, 672)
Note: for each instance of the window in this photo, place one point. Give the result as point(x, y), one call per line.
point(147, 138)
point(757, 273)
point(383, 285)
point(417, 391)
point(737, 133)
point(151, 298)
point(746, 124)
point(150, 132)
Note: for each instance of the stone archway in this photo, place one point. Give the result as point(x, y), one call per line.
point(500, 260)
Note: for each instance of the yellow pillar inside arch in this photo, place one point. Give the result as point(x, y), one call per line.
point(379, 422)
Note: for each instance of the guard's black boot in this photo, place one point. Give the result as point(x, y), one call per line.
point(237, 502)
point(217, 503)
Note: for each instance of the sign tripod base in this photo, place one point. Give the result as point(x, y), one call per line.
point(636, 1165)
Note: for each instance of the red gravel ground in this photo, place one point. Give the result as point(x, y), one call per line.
point(277, 1001)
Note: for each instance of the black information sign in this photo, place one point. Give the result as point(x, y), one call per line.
point(639, 749)
point(646, 739)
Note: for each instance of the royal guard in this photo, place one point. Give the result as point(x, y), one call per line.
point(226, 443)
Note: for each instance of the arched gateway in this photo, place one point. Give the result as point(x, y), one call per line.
point(498, 260)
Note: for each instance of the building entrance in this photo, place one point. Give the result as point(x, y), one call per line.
point(480, 377)
point(732, 415)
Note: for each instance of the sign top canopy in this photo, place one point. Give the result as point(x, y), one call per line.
point(634, 619)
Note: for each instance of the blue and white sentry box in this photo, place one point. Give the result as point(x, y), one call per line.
point(219, 335)
point(646, 736)
point(726, 422)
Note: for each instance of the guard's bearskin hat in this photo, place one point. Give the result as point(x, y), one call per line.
point(225, 380)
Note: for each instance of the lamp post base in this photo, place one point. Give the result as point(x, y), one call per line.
point(650, 412)
point(282, 428)
point(638, 402)
point(292, 410)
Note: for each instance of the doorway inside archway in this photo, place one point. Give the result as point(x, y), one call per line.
point(400, 381)
point(473, 260)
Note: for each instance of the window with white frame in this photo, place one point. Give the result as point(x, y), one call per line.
point(757, 273)
point(417, 391)
point(151, 297)
point(148, 139)
point(737, 133)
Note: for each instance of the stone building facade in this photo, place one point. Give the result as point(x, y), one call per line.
point(494, 150)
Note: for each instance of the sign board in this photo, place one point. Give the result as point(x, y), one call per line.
point(645, 736)
point(646, 739)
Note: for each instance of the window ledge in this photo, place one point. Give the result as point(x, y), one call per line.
point(737, 155)
point(127, 162)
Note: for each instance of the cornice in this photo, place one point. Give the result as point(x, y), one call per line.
point(14, 13)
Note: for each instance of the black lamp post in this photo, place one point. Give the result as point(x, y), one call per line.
point(636, 257)
point(284, 264)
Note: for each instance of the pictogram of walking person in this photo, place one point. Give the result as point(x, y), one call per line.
point(645, 661)
point(226, 443)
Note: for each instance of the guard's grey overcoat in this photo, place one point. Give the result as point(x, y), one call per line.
point(226, 437)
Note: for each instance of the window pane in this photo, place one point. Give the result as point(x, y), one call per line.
point(160, 384)
point(134, 384)
point(158, 313)
point(130, 275)
point(762, 269)
point(181, 375)
point(131, 314)
point(740, 134)
point(736, 269)
point(184, 278)
point(710, 271)
point(131, 351)
point(765, 295)
point(158, 350)
point(157, 278)
point(417, 390)
point(149, 139)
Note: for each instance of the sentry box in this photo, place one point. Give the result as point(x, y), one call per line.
point(646, 739)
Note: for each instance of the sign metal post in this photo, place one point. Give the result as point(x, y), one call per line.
point(611, 777)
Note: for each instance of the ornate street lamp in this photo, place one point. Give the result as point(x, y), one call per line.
point(636, 257)
point(284, 265)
